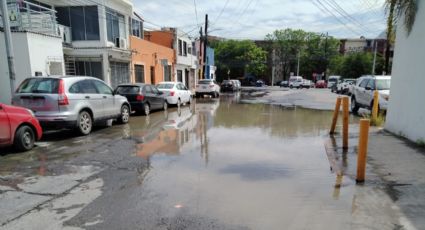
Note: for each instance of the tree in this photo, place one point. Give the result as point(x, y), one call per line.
point(314, 50)
point(395, 9)
point(238, 58)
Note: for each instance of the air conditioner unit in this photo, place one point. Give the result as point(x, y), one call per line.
point(121, 43)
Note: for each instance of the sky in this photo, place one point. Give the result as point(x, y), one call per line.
point(254, 19)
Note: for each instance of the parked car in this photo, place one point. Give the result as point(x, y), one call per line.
point(333, 80)
point(71, 102)
point(363, 92)
point(143, 98)
point(238, 85)
point(306, 84)
point(259, 83)
point(284, 84)
point(175, 93)
point(18, 127)
point(321, 84)
point(228, 85)
point(207, 87)
point(343, 87)
point(295, 82)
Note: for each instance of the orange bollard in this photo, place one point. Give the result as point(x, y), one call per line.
point(375, 105)
point(345, 116)
point(362, 150)
point(335, 117)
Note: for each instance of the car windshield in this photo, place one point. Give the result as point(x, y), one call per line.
point(127, 89)
point(383, 84)
point(165, 86)
point(204, 82)
point(333, 80)
point(39, 85)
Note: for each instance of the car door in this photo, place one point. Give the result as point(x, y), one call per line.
point(90, 94)
point(186, 93)
point(5, 134)
point(360, 91)
point(181, 92)
point(158, 97)
point(108, 99)
point(150, 97)
point(368, 96)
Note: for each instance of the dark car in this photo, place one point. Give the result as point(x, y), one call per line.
point(228, 85)
point(18, 127)
point(321, 84)
point(259, 83)
point(284, 84)
point(143, 98)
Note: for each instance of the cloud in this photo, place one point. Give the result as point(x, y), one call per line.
point(253, 19)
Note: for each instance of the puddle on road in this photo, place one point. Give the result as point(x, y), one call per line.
point(249, 165)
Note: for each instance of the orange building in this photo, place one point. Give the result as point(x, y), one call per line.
point(150, 63)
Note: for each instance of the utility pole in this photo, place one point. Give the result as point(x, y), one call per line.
point(205, 46)
point(374, 58)
point(9, 45)
point(201, 40)
point(273, 65)
point(326, 57)
point(298, 65)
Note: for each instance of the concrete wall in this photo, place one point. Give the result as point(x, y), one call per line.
point(149, 54)
point(406, 112)
point(32, 52)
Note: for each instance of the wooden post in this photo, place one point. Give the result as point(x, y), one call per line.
point(345, 117)
point(335, 116)
point(375, 105)
point(362, 150)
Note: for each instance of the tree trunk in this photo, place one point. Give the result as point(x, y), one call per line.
point(390, 25)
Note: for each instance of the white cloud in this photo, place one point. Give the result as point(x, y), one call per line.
point(255, 18)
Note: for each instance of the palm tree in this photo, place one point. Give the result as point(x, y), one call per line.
point(396, 9)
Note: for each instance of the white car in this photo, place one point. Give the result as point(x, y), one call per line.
point(344, 86)
point(333, 80)
point(295, 82)
point(175, 93)
point(306, 84)
point(363, 92)
point(207, 87)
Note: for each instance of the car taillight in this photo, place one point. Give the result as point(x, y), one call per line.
point(172, 93)
point(62, 99)
point(140, 97)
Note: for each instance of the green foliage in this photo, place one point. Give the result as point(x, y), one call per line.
point(379, 121)
point(356, 64)
point(314, 50)
point(398, 8)
point(238, 57)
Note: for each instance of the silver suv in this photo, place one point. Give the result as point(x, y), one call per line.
point(363, 92)
point(71, 102)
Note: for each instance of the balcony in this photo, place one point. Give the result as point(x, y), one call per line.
point(35, 18)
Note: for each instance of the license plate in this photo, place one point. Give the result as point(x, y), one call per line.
point(34, 103)
point(204, 87)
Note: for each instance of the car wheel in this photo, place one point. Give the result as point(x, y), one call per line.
point(290, 86)
point(125, 114)
point(190, 100)
point(146, 109)
point(84, 123)
point(179, 102)
point(24, 138)
point(165, 106)
point(354, 105)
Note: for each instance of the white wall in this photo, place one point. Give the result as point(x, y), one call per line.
point(406, 112)
point(32, 52)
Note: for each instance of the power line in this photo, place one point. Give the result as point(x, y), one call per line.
point(196, 12)
point(218, 17)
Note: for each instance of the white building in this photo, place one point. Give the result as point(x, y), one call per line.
point(37, 47)
point(185, 59)
point(406, 112)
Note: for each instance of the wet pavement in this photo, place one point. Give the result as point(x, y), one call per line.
point(216, 164)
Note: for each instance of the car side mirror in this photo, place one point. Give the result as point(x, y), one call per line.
point(368, 88)
point(160, 93)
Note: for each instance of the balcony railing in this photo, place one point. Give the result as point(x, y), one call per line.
point(35, 18)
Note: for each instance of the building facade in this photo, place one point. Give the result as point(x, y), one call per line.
point(151, 63)
point(406, 113)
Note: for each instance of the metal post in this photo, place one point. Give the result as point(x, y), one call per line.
point(9, 45)
point(298, 65)
point(374, 58)
point(273, 65)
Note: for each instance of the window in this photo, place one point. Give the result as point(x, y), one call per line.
point(167, 73)
point(383, 84)
point(85, 86)
point(189, 50)
point(148, 89)
point(364, 83)
point(165, 86)
point(83, 20)
point(184, 49)
point(119, 73)
point(371, 84)
point(89, 68)
point(154, 90)
point(114, 25)
point(102, 88)
point(137, 28)
point(139, 72)
point(128, 90)
point(39, 85)
point(179, 75)
point(180, 47)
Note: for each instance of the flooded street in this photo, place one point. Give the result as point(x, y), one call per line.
point(215, 164)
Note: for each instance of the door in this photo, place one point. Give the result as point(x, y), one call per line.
point(4, 127)
point(183, 93)
point(186, 78)
point(153, 75)
point(85, 91)
point(158, 97)
point(368, 96)
point(108, 99)
point(361, 91)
